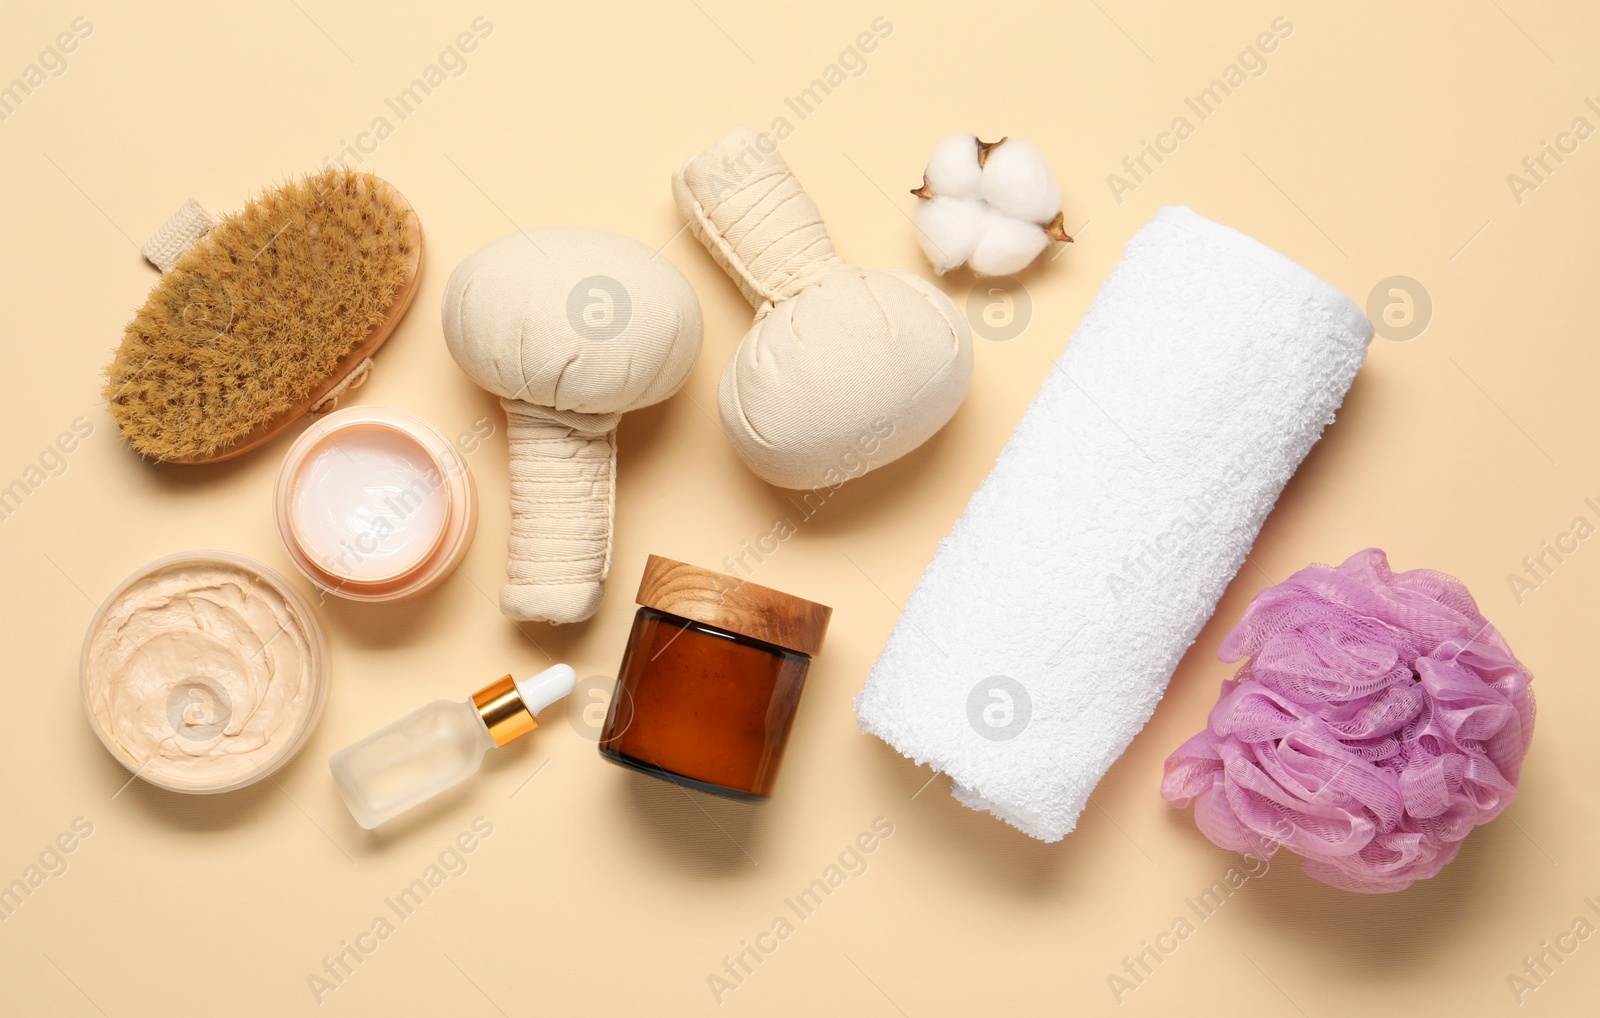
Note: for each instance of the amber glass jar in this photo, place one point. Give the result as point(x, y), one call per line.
point(711, 679)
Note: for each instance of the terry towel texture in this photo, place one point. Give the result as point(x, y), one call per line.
point(1042, 635)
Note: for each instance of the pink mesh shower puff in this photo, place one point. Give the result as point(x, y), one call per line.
point(1377, 718)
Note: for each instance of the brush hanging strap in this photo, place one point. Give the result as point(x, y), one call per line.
point(353, 380)
point(177, 235)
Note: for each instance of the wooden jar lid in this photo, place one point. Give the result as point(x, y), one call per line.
point(739, 606)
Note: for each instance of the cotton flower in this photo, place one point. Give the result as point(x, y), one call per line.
point(992, 206)
point(1377, 720)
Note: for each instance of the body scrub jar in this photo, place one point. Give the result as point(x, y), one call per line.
point(711, 679)
point(375, 504)
point(204, 672)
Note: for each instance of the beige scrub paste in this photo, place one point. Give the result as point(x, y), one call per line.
point(204, 672)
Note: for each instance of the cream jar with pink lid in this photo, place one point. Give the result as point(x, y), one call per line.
point(375, 504)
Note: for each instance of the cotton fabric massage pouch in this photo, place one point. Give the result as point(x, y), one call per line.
point(1044, 632)
point(839, 357)
point(571, 328)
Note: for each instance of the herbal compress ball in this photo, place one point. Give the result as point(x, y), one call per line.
point(843, 366)
point(571, 328)
point(991, 206)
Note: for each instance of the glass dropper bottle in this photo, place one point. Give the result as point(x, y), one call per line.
point(440, 745)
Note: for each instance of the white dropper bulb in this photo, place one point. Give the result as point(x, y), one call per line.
point(547, 687)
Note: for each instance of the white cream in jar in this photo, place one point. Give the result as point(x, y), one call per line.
point(375, 504)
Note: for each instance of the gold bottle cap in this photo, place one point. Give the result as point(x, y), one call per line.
point(503, 711)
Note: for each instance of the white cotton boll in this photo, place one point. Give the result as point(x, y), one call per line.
point(991, 206)
point(1006, 245)
point(953, 168)
point(1018, 182)
point(948, 230)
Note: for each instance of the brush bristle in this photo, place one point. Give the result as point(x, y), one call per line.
point(258, 314)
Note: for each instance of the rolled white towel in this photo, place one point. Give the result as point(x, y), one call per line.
point(1044, 632)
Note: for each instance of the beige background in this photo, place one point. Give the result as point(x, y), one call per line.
point(1377, 143)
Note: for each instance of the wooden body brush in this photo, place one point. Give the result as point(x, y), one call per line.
point(263, 318)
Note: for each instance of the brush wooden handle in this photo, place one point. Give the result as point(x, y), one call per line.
point(563, 502)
